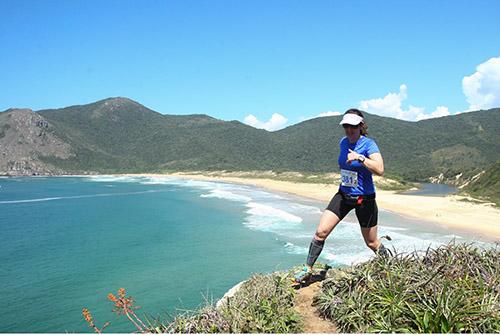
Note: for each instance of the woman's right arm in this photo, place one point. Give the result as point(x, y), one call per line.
point(375, 163)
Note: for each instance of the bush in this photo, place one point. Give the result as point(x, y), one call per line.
point(453, 288)
point(263, 304)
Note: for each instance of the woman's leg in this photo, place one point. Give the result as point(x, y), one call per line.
point(372, 241)
point(327, 222)
point(333, 213)
point(371, 238)
point(367, 215)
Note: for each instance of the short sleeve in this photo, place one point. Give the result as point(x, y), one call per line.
point(372, 148)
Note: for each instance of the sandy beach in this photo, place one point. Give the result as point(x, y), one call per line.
point(481, 220)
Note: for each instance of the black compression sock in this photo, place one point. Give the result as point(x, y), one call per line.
point(314, 250)
point(382, 251)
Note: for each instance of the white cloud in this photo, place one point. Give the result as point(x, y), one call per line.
point(392, 105)
point(277, 121)
point(329, 113)
point(323, 114)
point(440, 111)
point(482, 88)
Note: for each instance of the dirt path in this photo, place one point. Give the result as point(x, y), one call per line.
point(313, 323)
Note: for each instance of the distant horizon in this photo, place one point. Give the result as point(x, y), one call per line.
point(269, 64)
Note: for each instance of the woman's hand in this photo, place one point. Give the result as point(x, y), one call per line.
point(352, 156)
point(374, 162)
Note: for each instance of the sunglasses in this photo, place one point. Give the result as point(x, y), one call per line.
point(350, 126)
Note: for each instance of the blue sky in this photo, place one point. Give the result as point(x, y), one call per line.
point(247, 60)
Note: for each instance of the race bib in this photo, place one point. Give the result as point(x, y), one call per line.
point(349, 178)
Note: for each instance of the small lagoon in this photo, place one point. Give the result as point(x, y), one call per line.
point(433, 190)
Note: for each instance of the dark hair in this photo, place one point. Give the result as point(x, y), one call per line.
point(363, 126)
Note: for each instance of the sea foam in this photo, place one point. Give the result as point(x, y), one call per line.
point(295, 249)
point(75, 197)
point(263, 210)
point(223, 194)
point(111, 178)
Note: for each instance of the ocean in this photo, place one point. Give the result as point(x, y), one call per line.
point(66, 242)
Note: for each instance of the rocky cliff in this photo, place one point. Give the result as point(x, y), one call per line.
point(25, 137)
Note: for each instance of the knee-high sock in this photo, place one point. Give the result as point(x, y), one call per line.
point(382, 250)
point(314, 250)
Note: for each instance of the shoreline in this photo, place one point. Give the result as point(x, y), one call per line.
point(480, 220)
point(449, 212)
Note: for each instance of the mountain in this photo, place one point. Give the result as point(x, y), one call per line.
point(121, 135)
point(25, 138)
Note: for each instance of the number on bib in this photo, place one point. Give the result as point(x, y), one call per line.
point(349, 178)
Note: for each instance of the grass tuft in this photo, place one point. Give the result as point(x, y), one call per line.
point(263, 304)
point(453, 288)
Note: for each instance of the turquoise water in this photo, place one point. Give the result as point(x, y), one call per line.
point(431, 189)
point(67, 242)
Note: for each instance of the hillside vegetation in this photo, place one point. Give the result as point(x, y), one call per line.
point(486, 185)
point(122, 135)
point(118, 135)
point(452, 289)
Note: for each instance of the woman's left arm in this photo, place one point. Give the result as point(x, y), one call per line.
point(374, 162)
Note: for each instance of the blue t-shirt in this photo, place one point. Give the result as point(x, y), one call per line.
point(356, 179)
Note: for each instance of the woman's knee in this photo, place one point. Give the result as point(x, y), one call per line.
point(327, 222)
point(321, 234)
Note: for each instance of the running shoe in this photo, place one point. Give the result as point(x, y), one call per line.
point(303, 275)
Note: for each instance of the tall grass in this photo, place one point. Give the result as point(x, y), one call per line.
point(263, 304)
point(453, 288)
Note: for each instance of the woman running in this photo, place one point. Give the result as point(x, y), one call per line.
point(359, 158)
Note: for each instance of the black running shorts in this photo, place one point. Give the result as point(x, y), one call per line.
point(367, 212)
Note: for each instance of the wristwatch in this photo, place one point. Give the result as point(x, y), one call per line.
point(361, 158)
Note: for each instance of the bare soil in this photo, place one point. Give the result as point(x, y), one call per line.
point(313, 322)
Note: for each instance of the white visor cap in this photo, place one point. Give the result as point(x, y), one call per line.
point(352, 119)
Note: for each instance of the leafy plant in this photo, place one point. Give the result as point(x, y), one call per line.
point(454, 288)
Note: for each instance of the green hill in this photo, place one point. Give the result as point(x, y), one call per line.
point(120, 135)
point(464, 143)
point(486, 185)
point(117, 135)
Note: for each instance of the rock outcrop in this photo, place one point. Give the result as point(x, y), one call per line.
point(25, 138)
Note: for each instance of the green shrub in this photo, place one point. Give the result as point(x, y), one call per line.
point(263, 304)
point(453, 288)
